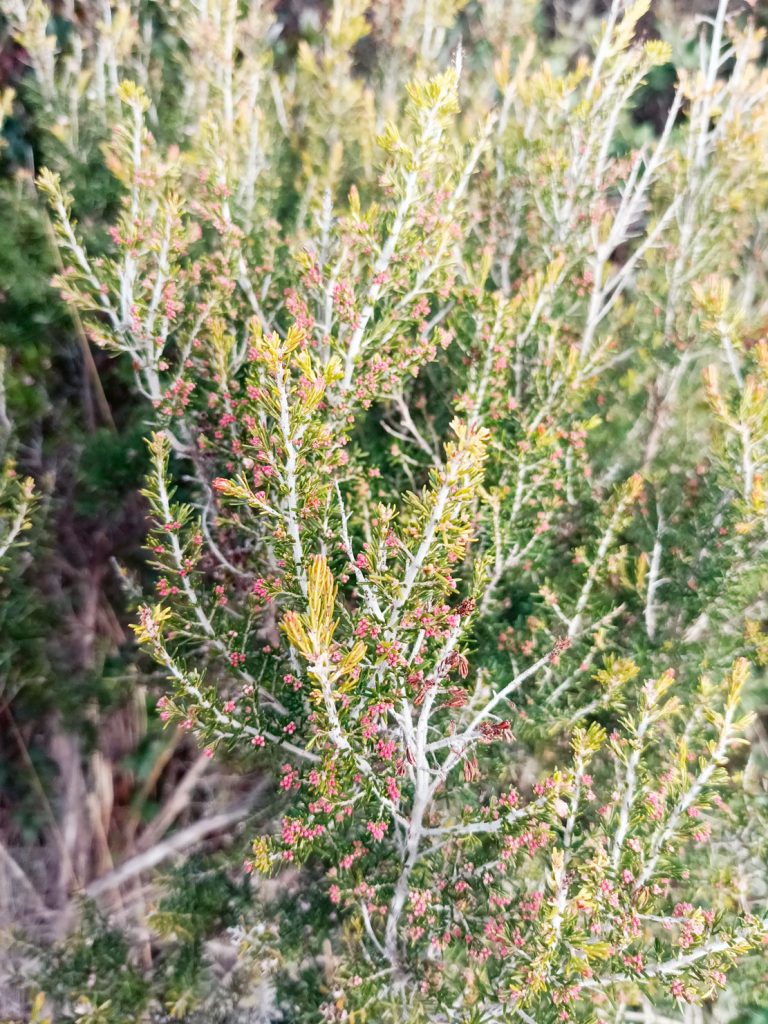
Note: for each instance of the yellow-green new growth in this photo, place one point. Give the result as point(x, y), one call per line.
point(312, 634)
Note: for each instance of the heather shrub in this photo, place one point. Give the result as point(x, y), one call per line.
point(455, 389)
point(15, 503)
